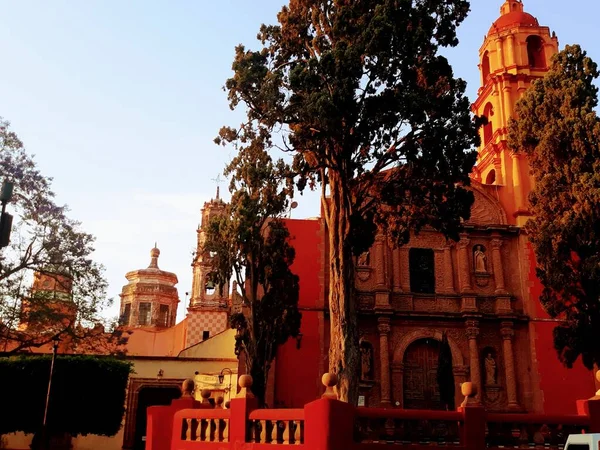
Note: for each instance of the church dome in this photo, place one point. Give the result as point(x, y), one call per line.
point(515, 18)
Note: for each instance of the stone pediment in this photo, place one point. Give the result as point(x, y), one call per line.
point(486, 210)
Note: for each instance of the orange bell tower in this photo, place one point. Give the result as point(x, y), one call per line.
point(515, 52)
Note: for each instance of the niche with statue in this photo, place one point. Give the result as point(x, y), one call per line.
point(481, 265)
point(490, 369)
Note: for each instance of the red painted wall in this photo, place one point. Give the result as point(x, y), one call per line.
point(561, 387)
point(297, 371)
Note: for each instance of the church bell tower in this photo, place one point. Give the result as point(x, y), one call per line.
point(515, 52)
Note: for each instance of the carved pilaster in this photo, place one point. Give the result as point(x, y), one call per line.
point(448, 270)
point(379, 263)
point(498, 268)
point(384, 328)
point(396, 270)
point(464, 271)
point(404, 269)
point(500, 52)
point(472, 328)
point(508, 333)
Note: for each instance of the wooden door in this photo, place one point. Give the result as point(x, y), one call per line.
point(421, 390)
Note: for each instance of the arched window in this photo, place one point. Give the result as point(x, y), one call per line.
point(422, 270)
point(535, 52)
point(488, 130)
point(485, 66)
point(514, 5)
point(491, 177)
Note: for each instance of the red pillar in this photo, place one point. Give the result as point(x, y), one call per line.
point(473, 432)
point(328, 425)
point(590, 408)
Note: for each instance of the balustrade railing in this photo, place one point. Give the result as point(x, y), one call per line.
point(201, 425)
point(277, 426)
point(407, 427)
point(532, 430)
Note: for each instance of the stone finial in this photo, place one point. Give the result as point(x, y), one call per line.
point(205, 394)
point(245, 382)
point(187, 388)
point(154, 254)
point(227, 404)
point(597, 396)
point(330, 381)
point(469, 390)
point(220, 400)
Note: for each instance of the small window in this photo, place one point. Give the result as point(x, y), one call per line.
point(485, 66)
point(422, 270)
point(488, 130)
point(144, 315)
point(125, 315)
point(205, 335)
point(163, 316)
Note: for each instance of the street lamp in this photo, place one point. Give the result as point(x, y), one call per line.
point(55, 341)
point(222, 378)
point(5, 219)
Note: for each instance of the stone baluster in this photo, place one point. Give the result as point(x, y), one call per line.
point(508, 333)
point(498, 268)
point(298, 432)
point(384, 354)
point(273, 431)
point(472, 333)
point(263, 432)
point(188, 431)
point(286, 432)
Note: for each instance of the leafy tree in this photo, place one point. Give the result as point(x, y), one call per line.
point(251, 243)
point(77, 380)
point(559, 131)
point(373, 114)
point(45, 241)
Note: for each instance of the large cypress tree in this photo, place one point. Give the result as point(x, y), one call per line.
point(373, 114)
point(559, 130)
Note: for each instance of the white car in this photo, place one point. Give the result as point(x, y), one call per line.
point(583, 442)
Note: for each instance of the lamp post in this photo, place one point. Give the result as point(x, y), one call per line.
point(45, 435)
point(222, 378)
point(5, 218)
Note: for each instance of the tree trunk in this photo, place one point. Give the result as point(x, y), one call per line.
point(344, 357)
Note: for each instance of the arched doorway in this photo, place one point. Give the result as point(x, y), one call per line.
point(151, 396)
point(420, 387)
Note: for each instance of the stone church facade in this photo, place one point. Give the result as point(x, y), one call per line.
point(479, 290)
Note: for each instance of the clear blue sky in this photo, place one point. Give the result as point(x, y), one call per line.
point(120, 101)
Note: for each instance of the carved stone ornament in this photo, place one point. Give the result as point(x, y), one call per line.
point(482, 279)
point(363, 273)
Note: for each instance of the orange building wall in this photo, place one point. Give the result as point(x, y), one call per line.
point(560, 387)
point(298, 371)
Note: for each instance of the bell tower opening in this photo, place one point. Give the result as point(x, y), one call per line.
point(535, 52)
point(485, 66)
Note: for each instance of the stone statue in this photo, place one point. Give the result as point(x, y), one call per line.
point(363, 259)
point(480, 260)
point(365, 359)
point(490, 370)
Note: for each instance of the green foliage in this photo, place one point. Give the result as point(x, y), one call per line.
point(251, 243)
point(45, 239)
point(87, 397)
point(559, 131)
point(359, 96)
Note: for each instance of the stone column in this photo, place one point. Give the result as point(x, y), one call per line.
point(384, 356)
point(509, 364)
point(517, 182)
point(379, 263)
point(500, 52)
point(448, 270)
point(464, 269)
point(472, 333)
point(498, 268)
point(510, 51)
